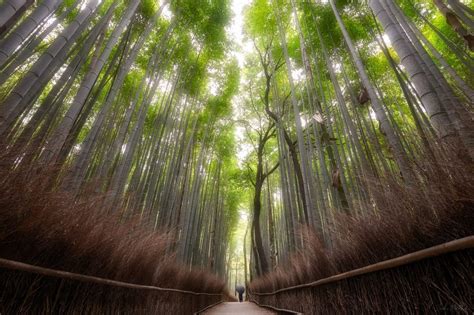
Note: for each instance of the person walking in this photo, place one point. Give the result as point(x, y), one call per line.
point(240, 290)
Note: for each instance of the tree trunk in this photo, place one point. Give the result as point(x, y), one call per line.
point(305, 165)
point(21, 33)
point(31, 83)
point(453, 20)
point(25, 52)
point(10, 11)
point(58, 138)
point(448, 100)
point(392, 138)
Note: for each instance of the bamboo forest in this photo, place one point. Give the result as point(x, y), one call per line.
point(236, 156)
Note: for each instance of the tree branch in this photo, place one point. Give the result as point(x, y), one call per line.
point(273, 169)
point(249, 174)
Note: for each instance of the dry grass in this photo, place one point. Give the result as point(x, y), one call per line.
point(42, 227)
point(439, 209)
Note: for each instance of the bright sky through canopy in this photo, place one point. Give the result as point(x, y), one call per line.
point(236, 30)
point(242, 48)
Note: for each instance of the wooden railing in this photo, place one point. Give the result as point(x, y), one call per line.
point(438, 250)
point(19, 266)
point(426, 274)
point(449, 247)
point(23, 267)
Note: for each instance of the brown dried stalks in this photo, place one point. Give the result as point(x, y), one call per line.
point(47, 228)
point(439, 209)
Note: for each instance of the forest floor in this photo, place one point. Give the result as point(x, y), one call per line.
point(237, 308)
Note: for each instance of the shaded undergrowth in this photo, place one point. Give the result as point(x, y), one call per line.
point(47, 228)
point(440, 208)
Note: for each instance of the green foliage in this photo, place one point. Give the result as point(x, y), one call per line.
point(194, 75)
point(131, 81)
point(226, 83)
point(232, 75)
point(148, 8)
point(225, 144)
point(206, 20)
point(260, 19)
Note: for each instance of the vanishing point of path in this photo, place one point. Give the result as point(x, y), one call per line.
point(244, 308)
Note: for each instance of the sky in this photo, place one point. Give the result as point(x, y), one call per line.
point(235, 32)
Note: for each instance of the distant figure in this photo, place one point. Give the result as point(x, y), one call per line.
point(240, 289)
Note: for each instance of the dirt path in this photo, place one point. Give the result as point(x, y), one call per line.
point(237, 308)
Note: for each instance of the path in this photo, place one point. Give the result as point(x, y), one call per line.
point(234, 308)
